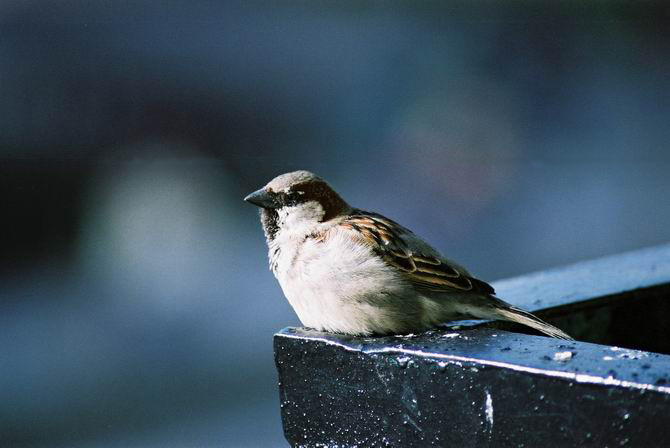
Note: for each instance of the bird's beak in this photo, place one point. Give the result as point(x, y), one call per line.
point(262, 198)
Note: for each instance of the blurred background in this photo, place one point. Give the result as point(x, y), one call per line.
point(136, 306)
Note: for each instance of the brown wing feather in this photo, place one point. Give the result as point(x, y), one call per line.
point(423, 270)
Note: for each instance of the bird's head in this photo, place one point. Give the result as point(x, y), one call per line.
point(294, 201)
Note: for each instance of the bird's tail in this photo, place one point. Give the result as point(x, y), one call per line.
point(511, 313)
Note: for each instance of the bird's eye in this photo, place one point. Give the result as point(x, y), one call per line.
point(294, 193)
point(291, 197)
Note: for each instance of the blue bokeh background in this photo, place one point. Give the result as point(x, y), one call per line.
point(136, 307)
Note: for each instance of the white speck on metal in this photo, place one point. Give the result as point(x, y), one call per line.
point(625, 353)
point(450, 335)
point(562, 356)
point(488, 412)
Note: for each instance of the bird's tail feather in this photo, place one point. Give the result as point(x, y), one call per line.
point(525, 318)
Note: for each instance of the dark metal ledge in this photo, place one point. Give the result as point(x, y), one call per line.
point(471, 386)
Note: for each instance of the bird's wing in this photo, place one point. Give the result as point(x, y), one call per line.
point(415, 259)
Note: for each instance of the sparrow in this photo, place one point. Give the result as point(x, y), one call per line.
point(345, 270)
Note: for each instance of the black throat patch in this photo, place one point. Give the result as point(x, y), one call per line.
point(269, 220)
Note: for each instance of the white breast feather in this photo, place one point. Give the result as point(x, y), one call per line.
point(324, 281)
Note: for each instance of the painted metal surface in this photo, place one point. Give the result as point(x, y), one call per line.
point(478, 384)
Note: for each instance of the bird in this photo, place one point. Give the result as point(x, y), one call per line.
point(349, 271)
